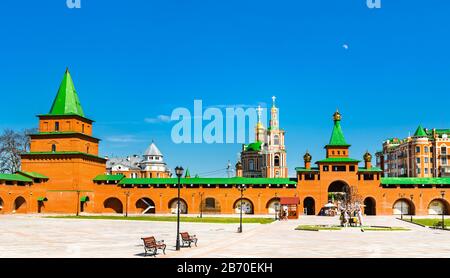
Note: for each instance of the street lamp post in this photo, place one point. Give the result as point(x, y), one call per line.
point(78, 202)
point(411, 196)
point(179, 172)
point(201, 204)
point(241, 187)
point(127, 194)
point(443, 208)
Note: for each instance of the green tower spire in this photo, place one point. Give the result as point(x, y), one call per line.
point(187, 175)
point(337, 137)
point(420, 132)
point(66, 101)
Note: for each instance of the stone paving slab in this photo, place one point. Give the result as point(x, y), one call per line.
point(35, 237)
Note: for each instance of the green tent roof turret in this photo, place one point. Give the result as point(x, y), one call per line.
point(337, 137)
point(66, 101)
point(188, 174)
point(420, 132)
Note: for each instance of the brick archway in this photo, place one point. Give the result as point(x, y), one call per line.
point(113, 204)
point(338, 191)
point(370, 206)
point(270, 206)
point(173, 204)
point(145, 205)
point(20, 205)
point(309, 205)
point(403, 206)
point(438, 206)
point(247, 206)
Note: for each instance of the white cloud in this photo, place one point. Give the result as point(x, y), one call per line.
point(158, 119)
point(122, 139)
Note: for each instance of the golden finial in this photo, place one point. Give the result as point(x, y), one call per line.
point(337, 116)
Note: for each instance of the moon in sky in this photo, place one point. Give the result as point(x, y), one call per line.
point(345, 46)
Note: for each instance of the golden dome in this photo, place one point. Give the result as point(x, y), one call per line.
point(307, 157)
point(337, 116)
point(367, 157)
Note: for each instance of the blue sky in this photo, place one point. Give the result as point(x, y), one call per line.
point(134, 60)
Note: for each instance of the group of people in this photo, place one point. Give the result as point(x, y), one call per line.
point(351, 217)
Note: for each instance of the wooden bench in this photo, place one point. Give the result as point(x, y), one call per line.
point(187, 239)
point(151, 246)
point(438, 225)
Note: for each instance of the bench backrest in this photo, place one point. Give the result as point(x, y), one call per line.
point(185, 235)
point(149, 241)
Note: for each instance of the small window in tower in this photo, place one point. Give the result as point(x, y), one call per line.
point(276, 140)
point(87, 149)
point(417, 149)
point(56, 126)
point(82, 128)
point(277, 161)
point(53, 148)
point(339, 152)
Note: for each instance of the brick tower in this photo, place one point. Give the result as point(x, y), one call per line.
point(64, 149)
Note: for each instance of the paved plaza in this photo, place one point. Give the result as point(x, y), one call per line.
point(24, 236)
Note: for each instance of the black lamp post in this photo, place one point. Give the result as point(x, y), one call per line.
point(242, 188)
point(179, 172)
point(78, 202)
point(201, 204)
point(411, 196)
point(443, 208)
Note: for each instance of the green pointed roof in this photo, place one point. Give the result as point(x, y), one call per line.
point(420, 132)
point(187, 175)
point(337, 136)
point(66, 101)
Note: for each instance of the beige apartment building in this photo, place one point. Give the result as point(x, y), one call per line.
point(423, 155)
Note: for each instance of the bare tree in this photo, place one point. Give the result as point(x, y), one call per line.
point(12, 144)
